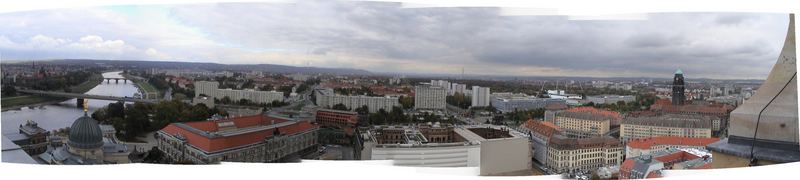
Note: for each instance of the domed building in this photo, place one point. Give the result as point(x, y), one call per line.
point(86, 138)
point(86, 144)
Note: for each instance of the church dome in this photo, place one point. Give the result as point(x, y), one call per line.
point(679, 71)
point(85, 133)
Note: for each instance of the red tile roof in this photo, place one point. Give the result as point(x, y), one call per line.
point(646, 143)
point(589, 109)
point(196, 133)
point(626, 168)
point(665, 105)
point(541, 127)
point(678, 156)
point(653, 175)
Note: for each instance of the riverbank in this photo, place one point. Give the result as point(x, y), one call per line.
point(17, 102)
point(147, 90)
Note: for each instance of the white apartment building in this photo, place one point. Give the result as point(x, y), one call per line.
point(429, 97)
point(458, 88)
point(210, 89)
point(374, 104)
point(327, 98)
point(207, 88)
point(480, 96)
point(252, 95)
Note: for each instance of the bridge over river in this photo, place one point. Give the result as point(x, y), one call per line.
point(80, 97)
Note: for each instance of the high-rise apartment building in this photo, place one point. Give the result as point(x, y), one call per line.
point(429, 97)
point(480, 96)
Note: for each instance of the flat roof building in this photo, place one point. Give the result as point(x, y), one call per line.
point(646, 146)
point(522, 103)
point(610, 99)
point(444, 145)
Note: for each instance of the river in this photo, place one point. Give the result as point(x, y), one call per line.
point(61, 115)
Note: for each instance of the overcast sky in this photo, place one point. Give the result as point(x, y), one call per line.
point(383, 37)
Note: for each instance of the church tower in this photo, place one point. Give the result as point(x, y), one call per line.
point(678, 89)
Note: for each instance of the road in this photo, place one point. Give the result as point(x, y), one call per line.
point(302, 100)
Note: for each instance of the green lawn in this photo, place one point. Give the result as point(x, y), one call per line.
point(148, 88)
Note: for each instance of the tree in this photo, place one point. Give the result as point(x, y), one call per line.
point(9, 90)
point(460, 100)
point(407, 102)
point(397, 115)
point(277, 103)
point(287, 90)
point(198, 112)
point(362, 110)
point(340, 107)
point(267, 88)
point(179, 96)
point(121, 126)
point(116, 109)
point(136, 121)
point(590, 104)
point(225, 100)
point(595, 176)
point(100, 115)
point(378, 117)
point(302, 87)
point(248, 84)
point(166, 112)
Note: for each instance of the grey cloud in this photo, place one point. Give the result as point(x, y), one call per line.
point(699, 43)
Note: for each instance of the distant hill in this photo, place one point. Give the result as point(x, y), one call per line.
point(206, 66)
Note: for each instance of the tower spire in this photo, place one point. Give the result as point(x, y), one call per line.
point(85, 107)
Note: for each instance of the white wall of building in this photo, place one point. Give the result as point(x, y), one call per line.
point(450, 156)
point(480, 96)
point(429, 97)
point(210, 88)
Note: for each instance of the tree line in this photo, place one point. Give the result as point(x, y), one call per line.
point(131, 120)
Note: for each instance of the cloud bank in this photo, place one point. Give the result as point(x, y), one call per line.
point(384, 37)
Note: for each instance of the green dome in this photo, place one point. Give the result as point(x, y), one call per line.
point(679, 71)
point(85, 133)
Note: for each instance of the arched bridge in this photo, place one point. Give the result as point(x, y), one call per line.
point(116, 80)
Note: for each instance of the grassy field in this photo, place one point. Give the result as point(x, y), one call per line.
point(147, 87)
point(25, 100)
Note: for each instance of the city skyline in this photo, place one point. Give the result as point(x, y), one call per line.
point(386, 38)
